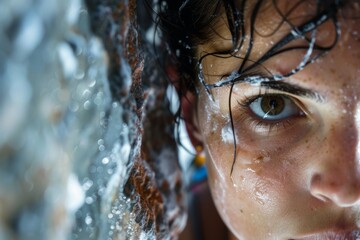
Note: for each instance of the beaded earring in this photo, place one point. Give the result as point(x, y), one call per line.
point(199, 174)
point(200, 158)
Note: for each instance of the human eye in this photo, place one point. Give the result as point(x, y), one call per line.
point(272, 113)
point(274, 107)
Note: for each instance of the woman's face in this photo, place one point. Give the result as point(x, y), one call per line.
point(297, 168)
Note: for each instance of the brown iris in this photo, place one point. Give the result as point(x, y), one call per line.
point(272, 104)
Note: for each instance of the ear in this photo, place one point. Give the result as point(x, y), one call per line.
point(189, 113)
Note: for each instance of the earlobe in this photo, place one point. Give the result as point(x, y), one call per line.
point(189, 113)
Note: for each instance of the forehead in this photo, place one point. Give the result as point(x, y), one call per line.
point(265, 23)
point(267, 18)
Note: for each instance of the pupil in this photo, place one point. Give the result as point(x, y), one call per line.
point(272, 105)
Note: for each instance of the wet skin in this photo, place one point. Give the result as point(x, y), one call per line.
point(297, 172)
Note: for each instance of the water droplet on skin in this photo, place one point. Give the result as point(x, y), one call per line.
point(227, 134)
point(250, 170)
point(259, 197)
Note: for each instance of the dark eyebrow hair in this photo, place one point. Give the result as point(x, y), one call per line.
point(268, 83)
point(292, 89)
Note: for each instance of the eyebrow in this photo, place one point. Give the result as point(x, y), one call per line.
point(268, 83)
point(292, 89)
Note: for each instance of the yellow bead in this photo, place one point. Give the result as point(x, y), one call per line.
point(200, 160)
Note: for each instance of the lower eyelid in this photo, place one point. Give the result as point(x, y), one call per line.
point(263, 126)
point(254, 133)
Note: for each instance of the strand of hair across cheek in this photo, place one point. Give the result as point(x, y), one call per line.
point(246, 57)
point(233, 131)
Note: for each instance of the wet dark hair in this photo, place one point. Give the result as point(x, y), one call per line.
point(187, 23)
point(184, 25)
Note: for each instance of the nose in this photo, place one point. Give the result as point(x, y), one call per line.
point(340, 188)
point(337, 175)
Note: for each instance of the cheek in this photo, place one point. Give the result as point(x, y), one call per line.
point(263, 186)
point(249, 199)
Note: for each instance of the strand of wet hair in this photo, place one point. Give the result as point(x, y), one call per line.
point(276, 49)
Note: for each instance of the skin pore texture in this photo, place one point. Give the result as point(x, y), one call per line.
point(297, 172)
